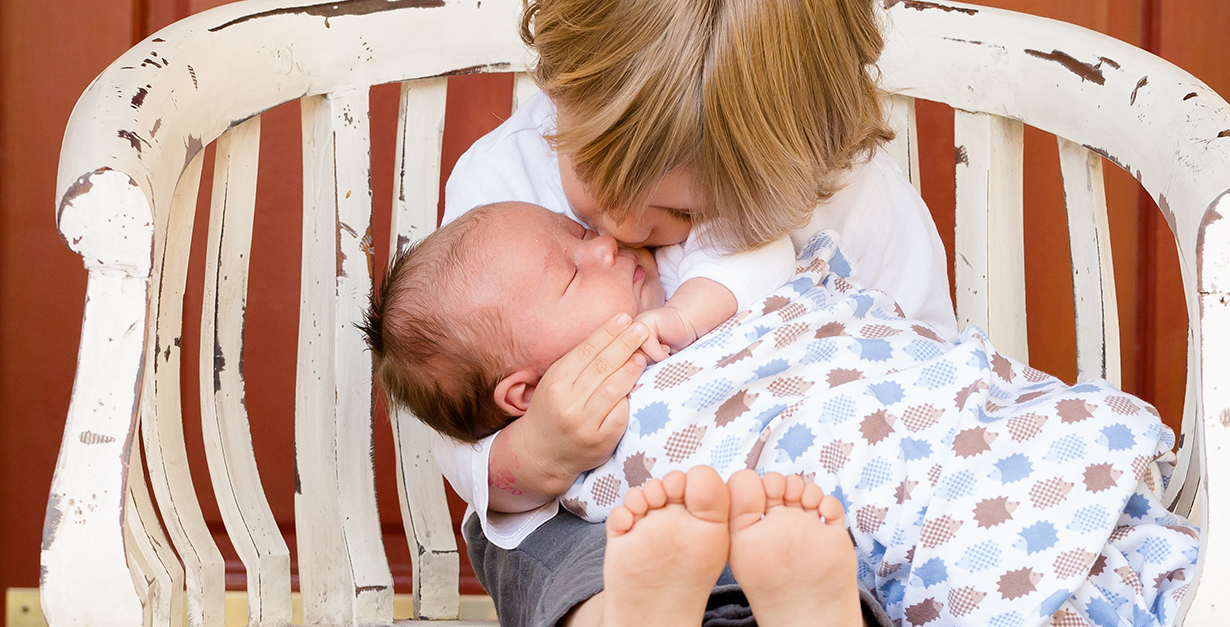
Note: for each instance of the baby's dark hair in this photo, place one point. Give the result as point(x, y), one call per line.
point(433, 353)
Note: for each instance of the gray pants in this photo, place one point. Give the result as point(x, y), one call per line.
point(560, 565)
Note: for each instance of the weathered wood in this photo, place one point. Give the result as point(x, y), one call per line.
point(1093, 272)
point(990, 245)
point(904, 146)
point(250, 524)
point(1206, 605)
point(420, 487)
point(162, 428)
point(150, 553)
point(523, 87)
point(85, 580)
point(343, 572)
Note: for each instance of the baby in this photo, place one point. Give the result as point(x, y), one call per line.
point(914, 468)
point(468, 321)
point(465, 325)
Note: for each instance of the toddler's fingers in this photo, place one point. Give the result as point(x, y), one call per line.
point(579, 359)
point(614, 424)
point(614, 356)
point(616, 387)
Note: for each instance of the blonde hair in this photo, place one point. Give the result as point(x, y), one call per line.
point(763, 101)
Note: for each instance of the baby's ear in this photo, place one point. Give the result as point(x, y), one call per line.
point(513, 393)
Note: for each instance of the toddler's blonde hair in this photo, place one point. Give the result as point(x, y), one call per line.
point(764, 101)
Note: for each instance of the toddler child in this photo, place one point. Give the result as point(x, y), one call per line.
point(657, 116)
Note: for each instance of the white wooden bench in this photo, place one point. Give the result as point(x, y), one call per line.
point(129, 172)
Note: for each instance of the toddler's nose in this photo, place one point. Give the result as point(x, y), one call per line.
point(630, 231)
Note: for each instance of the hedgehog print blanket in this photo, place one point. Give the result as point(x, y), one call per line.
point(979, 491)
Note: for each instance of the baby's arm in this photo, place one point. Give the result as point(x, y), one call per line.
point(697, 307)
point(577, 415)
point(710, 286)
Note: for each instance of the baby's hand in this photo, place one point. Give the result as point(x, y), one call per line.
point(669, 331)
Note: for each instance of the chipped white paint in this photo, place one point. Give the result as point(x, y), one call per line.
point(162, 428)
point(136, 136)
point(343, 572)
point(1143, 114)
point(904, 147)
point(224, 418)
point(990, 245)
point(1093, 272)
point(83, 556)
point(420, 488)
point(155, 566)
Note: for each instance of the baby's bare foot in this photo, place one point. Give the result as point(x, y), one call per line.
point(665, 547)
point(795, 568)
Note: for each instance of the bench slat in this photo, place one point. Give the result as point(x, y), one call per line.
point(162, 427)
point(224, 419)
point(1093, 272)
point(150, 554)
point(904, 147)
point(989, 230)
point(420, 487)
point(343, 571)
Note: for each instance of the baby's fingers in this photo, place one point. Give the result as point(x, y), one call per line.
point(655, 350)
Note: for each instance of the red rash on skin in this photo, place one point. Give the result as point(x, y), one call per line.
point(503, 478)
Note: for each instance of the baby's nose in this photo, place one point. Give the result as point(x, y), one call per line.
point(603, 249)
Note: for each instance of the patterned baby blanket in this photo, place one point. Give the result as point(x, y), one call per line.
point(978, 490)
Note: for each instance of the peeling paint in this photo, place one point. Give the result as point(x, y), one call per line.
point(403, 242)
point(219, 363)
point(962, 156)
point(1225, 133)
point(335, 9)
point(1190, 96)
point(133, 139)
point(1224, 417)
point(89, 437)
point(920, 5)
point(1140, 83)
point(1211, 215)
point(964, 41)
point(158, 40)
point(478, 69)
point(1086, 71)
point(361, 589)
point(139, 98)
point(192, 145)
point(1109, 157)
point(1108, 61)
point(192, 73)
point(1167, 212)
point(51, 522)
point(368, 246)
point(154, 131)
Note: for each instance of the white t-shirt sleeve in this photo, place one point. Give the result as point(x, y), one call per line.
point(749, 275)
point(889, 237)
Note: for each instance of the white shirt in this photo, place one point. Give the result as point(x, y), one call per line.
point(886, 231)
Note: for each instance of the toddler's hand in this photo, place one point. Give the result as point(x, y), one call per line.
point(579, 410)
point(668, 332)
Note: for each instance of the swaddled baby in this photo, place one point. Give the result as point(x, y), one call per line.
point(980, 491)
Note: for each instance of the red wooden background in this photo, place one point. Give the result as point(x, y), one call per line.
point(49, 51)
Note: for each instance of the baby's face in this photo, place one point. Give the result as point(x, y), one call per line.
point(556, 282)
